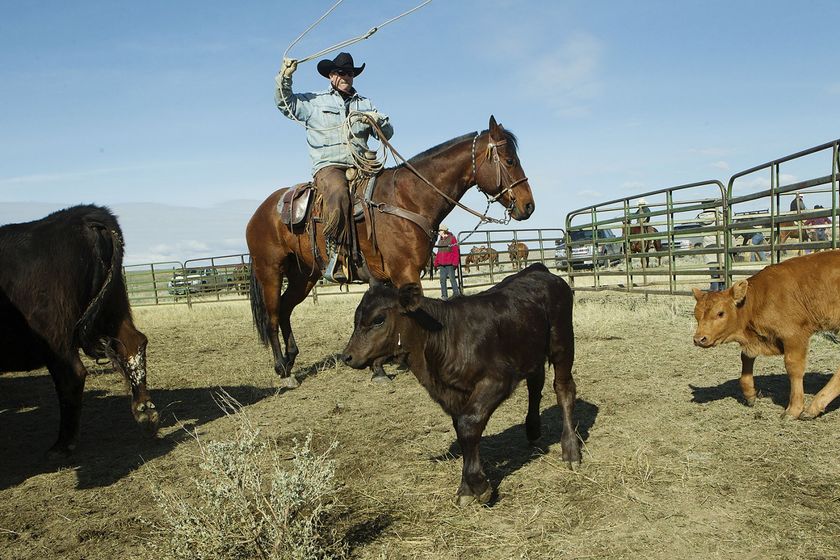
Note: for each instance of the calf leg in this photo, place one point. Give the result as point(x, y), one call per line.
point(566, 391)
point(746, 380)
point(536, 382)
point(69, 378)
point(823, 398)
point(795, 355)
point(469, 426)
point(128, 354)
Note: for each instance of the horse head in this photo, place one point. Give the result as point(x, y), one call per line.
point(499, 174)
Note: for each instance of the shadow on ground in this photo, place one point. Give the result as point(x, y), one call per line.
point(505, 453)
point(775, 387)
point(110, 444)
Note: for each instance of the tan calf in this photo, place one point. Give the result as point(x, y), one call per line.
point(773, 313)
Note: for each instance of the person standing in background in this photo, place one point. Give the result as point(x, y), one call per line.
point(447, 259)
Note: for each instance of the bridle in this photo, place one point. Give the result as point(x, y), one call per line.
point(492, 154)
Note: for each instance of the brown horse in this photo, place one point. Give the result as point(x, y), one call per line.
point(518, 253)
point(478, 255)
point(644, 245)
point(400, 248)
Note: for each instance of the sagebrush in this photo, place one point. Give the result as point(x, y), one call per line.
point(250, 500)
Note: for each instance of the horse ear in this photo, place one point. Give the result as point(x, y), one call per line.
point(410, 296)
point(698, 294)
point(493, 124)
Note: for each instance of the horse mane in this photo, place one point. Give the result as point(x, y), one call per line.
point(443, 146)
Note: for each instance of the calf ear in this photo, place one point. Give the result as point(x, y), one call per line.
point(739, 291)
point(698, 293)
point(410, 296)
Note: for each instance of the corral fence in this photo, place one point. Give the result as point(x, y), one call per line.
point(705, 234)
point(226, 278)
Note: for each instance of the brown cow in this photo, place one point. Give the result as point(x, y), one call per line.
point(518, 253)
point(775, 312)
point(513, 328)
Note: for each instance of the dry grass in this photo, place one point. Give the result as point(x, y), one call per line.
point(674, 465)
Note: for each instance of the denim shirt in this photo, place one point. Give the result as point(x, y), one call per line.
point(324, 114)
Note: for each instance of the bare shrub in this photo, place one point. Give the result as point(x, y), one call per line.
point(250, 501)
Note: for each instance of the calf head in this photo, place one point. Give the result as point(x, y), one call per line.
point(385, 321)
point(717, 314)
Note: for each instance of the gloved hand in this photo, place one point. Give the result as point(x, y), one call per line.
point(289, 67)
point(374, 116)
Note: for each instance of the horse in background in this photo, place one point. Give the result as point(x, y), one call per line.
point(480, 254)
point(518, 253)
point(397, 248)
point(644, 245)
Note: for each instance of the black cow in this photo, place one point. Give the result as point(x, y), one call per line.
point(62, 290)
point(470, 353)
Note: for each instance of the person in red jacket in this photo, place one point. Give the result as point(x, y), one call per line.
point(447, 259)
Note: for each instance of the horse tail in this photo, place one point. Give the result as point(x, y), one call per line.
point(258, 310)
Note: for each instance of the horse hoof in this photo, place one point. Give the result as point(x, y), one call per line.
point(289, 382)
point(574, 466)
point(750, 402)
point(807, 415)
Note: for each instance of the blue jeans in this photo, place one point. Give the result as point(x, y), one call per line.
point(448, 271)
point(758, 239)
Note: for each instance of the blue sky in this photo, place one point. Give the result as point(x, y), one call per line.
point(165, 111)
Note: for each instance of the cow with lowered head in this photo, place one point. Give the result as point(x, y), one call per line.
point(471, 352)
point(62, 290)
point(775, 312)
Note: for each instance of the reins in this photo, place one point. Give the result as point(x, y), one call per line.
point(491, 149)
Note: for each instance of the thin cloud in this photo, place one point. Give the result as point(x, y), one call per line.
point(722, 165)
point(588, 193)
point(567, 78)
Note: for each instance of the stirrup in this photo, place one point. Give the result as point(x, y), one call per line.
point(332, 274)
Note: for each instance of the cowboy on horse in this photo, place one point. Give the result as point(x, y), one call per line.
point(335, 144)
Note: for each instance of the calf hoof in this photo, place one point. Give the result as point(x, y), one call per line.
point(462, 500)
point(808, 415)
point(60, 450)
point(380, 378)
point(788, 415)
point(289, 382)
point(147, 417)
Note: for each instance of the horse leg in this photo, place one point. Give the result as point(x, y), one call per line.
point(69, 377)
point(266, 283)
point(298, 287)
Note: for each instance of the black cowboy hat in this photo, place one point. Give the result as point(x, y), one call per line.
point(342, 62)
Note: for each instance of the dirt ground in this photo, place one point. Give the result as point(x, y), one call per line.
point(674, 465)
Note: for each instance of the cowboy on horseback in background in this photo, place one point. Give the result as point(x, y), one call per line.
point(325, 115)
